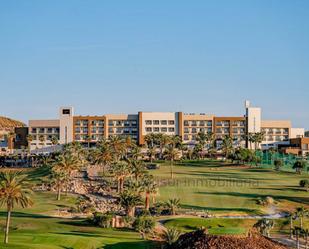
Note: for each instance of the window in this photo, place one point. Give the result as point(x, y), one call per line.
point(171, 122)
point(163, 122)
point(77, 130)
point(186, 137)
point(209, 123)
point(66, 111)
point(156, 122)
point(171, 129)
point(156, 129)
point(202, 130)
point(193, 123)
point(41, 130)
point(202, 123)
point(49, 130)
point(186, 123)
point(126, 123)
point(186, 130)
point(193, 130)
point(148, 129)
point(163, 129)
point(110, 130)
point(219, 124)
point(119, 123)
point(133, 123)
point(111, 123)
point(148, 122)
point(193, 137)
point(33, 130)
point(119, 130)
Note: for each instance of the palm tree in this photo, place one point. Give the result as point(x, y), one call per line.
point(163, 141)
point(227, 145)
point(172, 154)
point(299, 166)
point(42, 140)
point(297, 232)
point(129, 201)
point(54, 140)
point(210, 139)
point(258, 139)
point(117, 146)
point(170, 236)
point(264, 226)
point(150, 140)
point(137, 168)
point(136, 152)
point(174, 140)
point(10, 138)
point(201, 138)
point(173, 205)
point(305, 233)
point(59, 179)
point(150, 187)
point(29, 140)
point(13, 192)
point(64, 166)
point(301, 213)
point(120, 170)
point(182, 147)
point(103, 156)
point(151, 153)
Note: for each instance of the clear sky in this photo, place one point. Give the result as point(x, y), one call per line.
point(128, 56)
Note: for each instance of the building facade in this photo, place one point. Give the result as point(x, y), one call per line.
point(91, 129)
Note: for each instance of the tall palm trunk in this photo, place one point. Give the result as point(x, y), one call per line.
point(291, 227)
point(147, 201)
point(171, 166)
point(59, 193)
point(7, 227)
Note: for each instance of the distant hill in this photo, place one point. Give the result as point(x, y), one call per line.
point(8, 123)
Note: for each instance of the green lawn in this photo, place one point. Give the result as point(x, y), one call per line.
point(219, 188)
point(34, 228)
point(220, 226)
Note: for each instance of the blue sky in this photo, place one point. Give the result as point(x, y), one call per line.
point(125, 56)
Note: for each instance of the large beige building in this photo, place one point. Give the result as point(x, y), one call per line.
point(91, 129)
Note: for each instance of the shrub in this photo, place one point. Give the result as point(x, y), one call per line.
point(304, 184)
point(144, 224)
point(102, 220)
point(278, 164)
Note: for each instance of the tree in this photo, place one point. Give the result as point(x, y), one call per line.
point(136, 152)
point(170, 236)
point(304, 184)
point(301, 213)
point(13, 192)
point(59, 179)
point(10, 140)
point(137, 168)
point(299, 166)
point(144, 225)
point(278, 164)
point(63, 167)
point(42, 140)
point(150, 187)
point(117, 146)
point(103, 156)
point(227, 145)
point(120, 170)
point(129, 201)
point(265, 226)
point(163, 141)
point(151, 153)
point(173, 205)
point(29, 140)
point(54, 140)
point(172, 154)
